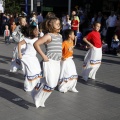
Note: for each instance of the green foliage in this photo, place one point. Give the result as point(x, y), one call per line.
point(12, 6)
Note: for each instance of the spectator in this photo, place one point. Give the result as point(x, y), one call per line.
point(117, 31)
point(7, 34)
point(77, 18)
point(13, 26)
point(66, 24)
point(40, 18)
point(75, 25)
point(111, 22)
point(115, 44)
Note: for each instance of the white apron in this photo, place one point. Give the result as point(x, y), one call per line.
point(68, 76)
point(51, 72)
point(32, 71)
point(92, 62)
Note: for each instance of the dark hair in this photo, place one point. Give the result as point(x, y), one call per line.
point(96, 22)
point(68, 32)
point(27, 31)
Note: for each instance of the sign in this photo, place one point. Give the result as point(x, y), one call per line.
point(48, 9)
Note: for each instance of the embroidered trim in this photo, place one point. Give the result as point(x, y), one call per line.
point(95, 62)
point(67, 79)
point(37, 86)
point(45, 87)
point(31, 78)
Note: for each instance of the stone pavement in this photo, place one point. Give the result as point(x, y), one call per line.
point(96, 100)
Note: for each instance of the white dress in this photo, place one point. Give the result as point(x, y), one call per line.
point(30, 65)
point(92, 62)
point(68, 76)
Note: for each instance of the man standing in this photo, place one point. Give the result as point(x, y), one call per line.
point(40, 18)
point(110, 28)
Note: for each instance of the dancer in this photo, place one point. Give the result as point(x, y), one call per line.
point(30, 63)
point(68, 75)
point(17, 36)
point(92, 60)
point(51, 64)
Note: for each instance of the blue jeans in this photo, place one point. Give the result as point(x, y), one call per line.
point(7, 39)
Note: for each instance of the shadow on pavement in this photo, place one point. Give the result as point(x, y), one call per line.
point(11, 82)
point(8, 95)
point(99, 84)
point(11, 74)
point(4, 59)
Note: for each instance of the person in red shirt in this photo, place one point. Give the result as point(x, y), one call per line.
point(74, 25)
point(93, 57)
point(7, 34)
point(68, 74)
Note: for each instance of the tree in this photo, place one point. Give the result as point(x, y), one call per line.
point(12, 6)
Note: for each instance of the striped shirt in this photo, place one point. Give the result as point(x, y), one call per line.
point(54, 48)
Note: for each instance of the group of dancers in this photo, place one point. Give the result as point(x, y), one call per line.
point(58, 67)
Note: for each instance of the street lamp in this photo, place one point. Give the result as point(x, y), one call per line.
point(31, 5)
point(69, 7)
point(26, 6)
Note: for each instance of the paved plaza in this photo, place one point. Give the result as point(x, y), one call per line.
point(96, 100)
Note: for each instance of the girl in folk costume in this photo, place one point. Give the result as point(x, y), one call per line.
point(68, 75)
point(30, 63)
point(92, 60)
point(51, 61)
point(17, 36)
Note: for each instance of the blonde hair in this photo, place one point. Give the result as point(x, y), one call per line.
point(49, 25)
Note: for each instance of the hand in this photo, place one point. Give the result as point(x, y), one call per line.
point(20, 56)
point(45, 59)
point(63, 59)
point(91, 46)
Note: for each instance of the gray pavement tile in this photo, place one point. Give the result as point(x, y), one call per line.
point(96, 100)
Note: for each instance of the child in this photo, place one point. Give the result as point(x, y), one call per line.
point(30, 63)
point(66, 24)
point(68, 75)
point(17, 36)
point(115, 44)
point(74, 25)
point(7, 34)
point(13, 26)
point(51, 64)
point(92, 60)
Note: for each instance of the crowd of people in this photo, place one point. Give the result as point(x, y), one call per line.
point(60, 36)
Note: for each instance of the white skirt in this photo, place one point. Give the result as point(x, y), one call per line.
point(32, 71)
point(68, 76)
point(51, 72)
point(15, 63)
point(92, 62)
